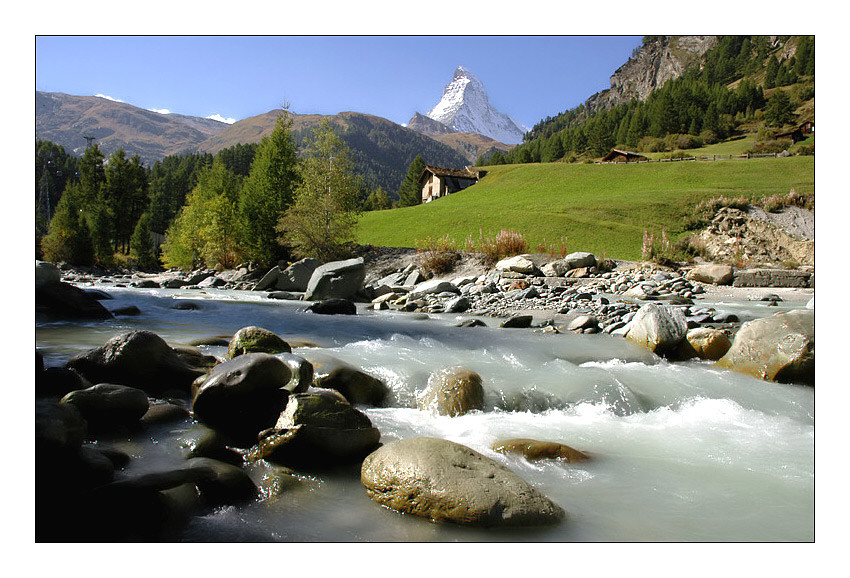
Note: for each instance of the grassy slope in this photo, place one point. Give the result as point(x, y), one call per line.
point(604, 209)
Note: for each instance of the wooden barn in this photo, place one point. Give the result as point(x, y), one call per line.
point(437, 182)
point(799, 133)
point(618, 156)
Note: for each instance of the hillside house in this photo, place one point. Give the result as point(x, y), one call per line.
point(437, 182)
point(618, 156)
point(799, 133)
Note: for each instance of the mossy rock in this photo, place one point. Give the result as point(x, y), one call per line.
point(256, 340)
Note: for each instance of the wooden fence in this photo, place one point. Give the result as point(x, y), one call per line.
point(700, 158)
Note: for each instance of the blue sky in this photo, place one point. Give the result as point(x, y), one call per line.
point(234, 77)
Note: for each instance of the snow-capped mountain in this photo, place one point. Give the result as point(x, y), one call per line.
point(465, 107)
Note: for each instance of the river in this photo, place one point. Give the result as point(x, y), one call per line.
point(680, 451)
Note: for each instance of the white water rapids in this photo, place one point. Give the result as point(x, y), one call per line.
point(680, 451)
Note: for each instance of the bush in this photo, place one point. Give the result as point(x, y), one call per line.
point(771, 146)
point(806, 150)
point(437, 256)
point(650, 144)
point(683, 141)
point(506, 243)
point(791, 199)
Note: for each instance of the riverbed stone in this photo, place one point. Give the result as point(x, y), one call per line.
point(705, 343)
point(317, 429)
point(139, 359)
point(356, 386)
point(534, 450)
point(452, 391)
point(777, 348)
point(109, 405)
point(337, 279)
point(715, 274)
point(444, 481)
point(333, 307)
point(297, 276)
point(62, 300)
point(659, 328)
point(431, 287)
point(579, 259)
point(517, 264)
point(254, 339)
point(221, 483)
point(243, 396)
point(520, 321)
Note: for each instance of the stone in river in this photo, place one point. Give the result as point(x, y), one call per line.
point(453, 391)
point(256, 340)
point(447, 482)
point(107, 405)
point(534, 450)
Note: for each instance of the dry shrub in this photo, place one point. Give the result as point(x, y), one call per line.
point(791, 199)
point(506, 243)
point(437, 256)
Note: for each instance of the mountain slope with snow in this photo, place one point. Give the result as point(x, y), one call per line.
point(465, 107)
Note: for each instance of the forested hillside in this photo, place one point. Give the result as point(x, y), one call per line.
point(744, 83)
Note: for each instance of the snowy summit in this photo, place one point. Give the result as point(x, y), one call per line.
point(465, 108)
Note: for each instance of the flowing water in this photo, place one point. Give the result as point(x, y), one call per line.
point(681, 451)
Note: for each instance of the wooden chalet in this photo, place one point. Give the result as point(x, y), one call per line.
point(799, 133)
point(618, 156)
point(436, 182)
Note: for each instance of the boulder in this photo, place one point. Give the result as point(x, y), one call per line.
point(355, 385)
point(243, 396)
point(46, 274)
point(268, 280)
point(317, 429)
point(534, 450)
point(139, 359)
point(517, 322)
point(64, 301)
point(431, 287)
point(554, 269)
point(333, 307)
point(457, 305)
point(773, 278)
point(338, 279)
point(447, 482)
point(579, 259)
point(59, 429)
point(705, 343)
point(256, 340)
point(108, 405)
point(297, 276)
point(659, 328)
point(714, 274)
point(221, 483)
point(453, 391)
point(517, 264)
point(777, 348)
point(302, 372)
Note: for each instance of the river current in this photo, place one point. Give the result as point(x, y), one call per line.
point(680, 451)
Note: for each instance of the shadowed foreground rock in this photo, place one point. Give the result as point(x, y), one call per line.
point(448, 482)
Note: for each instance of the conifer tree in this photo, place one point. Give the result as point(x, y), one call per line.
point(141, 246)
point(268, 192)
point(68, 237)
point(409, 193)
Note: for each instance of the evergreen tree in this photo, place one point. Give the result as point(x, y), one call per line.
point(68, 236)
point(779, 110)
point(320, 223)
point(141, 245)
point(268, 192)
point(409, 193)
point(770, 72)
point(92, 174)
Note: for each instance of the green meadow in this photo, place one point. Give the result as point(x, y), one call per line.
point(604, 209)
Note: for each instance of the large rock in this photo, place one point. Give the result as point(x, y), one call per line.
point(243, 396)
point(59, 300)
point(338, 279)
point(46, 274)
point(714, 274)
point(256, 340)
point(268, 280)
point(579, 259)
point(297, 276)
point(108, 405)
point(333, 307)
point(778, 348)
point(139, 359)
point(517, 264)
point(355, 385)
point(705, 343)
point(431, 287)
point(659, 328)
point(447, 482)
point(317, 429)
point(773, 278)
point(453, 391)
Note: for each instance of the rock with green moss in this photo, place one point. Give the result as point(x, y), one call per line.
point(256, 340)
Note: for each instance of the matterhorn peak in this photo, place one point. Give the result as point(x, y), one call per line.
point(465, 107)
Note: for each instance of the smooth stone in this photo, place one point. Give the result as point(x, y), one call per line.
point(447, 482)
point(659, 328)
point(109, 405)
point(333, 307)
point(452, 391)
point(517, 322)
point(534, 450)
point(256, 340)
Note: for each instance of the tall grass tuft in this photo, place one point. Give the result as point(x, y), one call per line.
point(506, 243)
point(437, 256)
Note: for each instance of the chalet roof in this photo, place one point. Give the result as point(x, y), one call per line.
point(617, 152)
point(444, 172)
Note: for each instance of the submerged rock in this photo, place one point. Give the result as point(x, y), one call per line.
point(777, 348)
point(534, 450)
point(453, 391)
point(447, 482)
point(333, 307)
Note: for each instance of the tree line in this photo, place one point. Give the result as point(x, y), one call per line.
point(697, 108)
point(258, 202)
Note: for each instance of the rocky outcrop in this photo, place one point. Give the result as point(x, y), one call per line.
point(657, 61)
point(447, 482)
point(778, 348)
